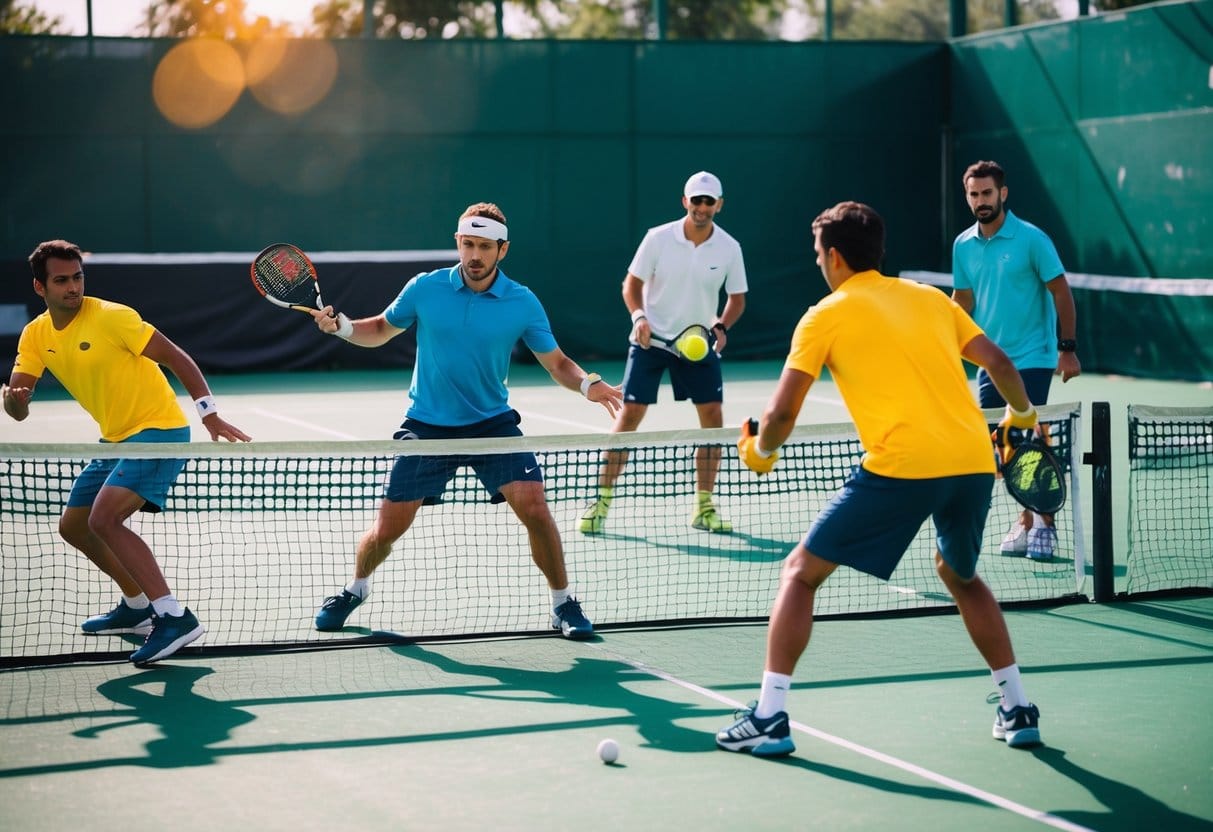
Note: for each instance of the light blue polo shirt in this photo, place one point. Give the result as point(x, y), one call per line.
point(464, 343)
point(1007, 274)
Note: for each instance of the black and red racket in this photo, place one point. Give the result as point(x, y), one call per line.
point(285, 276)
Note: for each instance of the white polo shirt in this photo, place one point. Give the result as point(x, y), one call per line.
point(682, 281)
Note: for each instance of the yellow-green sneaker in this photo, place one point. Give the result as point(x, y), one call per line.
point(594, 519)
point(707, 519)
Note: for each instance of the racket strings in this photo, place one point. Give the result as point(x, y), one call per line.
point(285, 278)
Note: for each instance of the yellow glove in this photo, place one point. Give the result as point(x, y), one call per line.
point(747, 449)
point(1011, 430)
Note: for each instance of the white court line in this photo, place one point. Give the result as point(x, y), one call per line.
point(942, 779)
point(581, 426)
point(299, 423)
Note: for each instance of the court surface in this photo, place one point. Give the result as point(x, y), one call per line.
point(891, 721)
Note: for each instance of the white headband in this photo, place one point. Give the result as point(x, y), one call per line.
point(483, 227)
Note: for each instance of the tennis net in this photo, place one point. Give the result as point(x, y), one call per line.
point(1170, 499)
point(254, 537)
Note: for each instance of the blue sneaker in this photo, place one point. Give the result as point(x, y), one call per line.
point(121, 619)
point(169, 634)
point(770, 737)
point(1042, 542)
point(1019, 726)
point(571, 621)
point(335, 609)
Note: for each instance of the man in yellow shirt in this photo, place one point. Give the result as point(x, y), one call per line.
point(108, 358)
point(894, 347)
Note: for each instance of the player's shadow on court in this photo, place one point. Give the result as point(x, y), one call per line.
point(597, 685)
point(190, 724)
point(738, 546)
point(1128, 806)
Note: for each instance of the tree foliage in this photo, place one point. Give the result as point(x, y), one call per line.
point(229, 19)
point(582, 19)
point(20, 19)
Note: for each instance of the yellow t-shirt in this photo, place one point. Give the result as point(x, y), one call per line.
point(97, 357)
point(893, 347)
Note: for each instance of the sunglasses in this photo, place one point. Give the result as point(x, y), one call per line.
point(703, 200)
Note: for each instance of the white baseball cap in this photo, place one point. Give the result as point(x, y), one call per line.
point(703, 184)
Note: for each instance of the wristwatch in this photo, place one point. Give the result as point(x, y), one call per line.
point(720, 325)
point(1067, 345)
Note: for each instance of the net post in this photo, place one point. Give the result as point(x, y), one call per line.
point(1100, 460)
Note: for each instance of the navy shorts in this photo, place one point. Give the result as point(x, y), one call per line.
point(869, 524)
point(151, 479)
point(1036, 381)
point(699, 381)
point(417, 477)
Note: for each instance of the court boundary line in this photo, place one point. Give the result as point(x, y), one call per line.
point(974, 792)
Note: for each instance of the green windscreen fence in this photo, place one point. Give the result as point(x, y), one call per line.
point(374, 145)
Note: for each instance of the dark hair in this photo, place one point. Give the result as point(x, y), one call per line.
point(981, 170)
point(856, 231)
point(484, 209)
point(60, 249)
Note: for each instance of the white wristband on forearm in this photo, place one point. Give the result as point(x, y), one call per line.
point(206, 406)
point(591, 379)
point(345, 327)
point(637, 315)
point(758, 449)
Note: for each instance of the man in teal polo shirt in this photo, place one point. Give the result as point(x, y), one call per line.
point(1006, 274)
point(468, 319)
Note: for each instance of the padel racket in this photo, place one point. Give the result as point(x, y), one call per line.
point(692, 344)
point(286, 277)
point(1033, 476)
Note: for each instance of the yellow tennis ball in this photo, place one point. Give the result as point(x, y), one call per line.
point(694, 346)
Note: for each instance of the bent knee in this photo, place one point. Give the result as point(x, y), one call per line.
point(807, 568)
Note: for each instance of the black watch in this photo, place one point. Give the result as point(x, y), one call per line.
point(1067, 345)
point(721, 327)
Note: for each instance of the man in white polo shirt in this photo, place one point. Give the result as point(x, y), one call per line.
point(674, 281)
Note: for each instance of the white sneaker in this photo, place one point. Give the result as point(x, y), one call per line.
point(1042, 540)
point(1016, 541)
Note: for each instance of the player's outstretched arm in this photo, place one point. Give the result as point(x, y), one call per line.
point(167, 354)
point(364, 332)
point(761, 439)
point(986, 354)
point(568, 373)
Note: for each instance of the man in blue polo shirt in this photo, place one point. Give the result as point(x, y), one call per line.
point(1006, 274)
point(468, 318)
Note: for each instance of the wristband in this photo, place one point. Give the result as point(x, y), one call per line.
point(637, 315)
point(1022, 419)
point(1067, 345)
point(720, 325)
point(758, 450)
point(206, 406)
point(345, 327)
point(587, 382)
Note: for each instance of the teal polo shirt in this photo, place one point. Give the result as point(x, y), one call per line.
point(1007, 274)
point(464, 343)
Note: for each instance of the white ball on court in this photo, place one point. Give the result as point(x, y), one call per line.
point(608, 750)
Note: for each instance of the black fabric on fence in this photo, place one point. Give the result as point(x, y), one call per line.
point(212, 311)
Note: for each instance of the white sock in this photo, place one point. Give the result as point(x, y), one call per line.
point(360, 587)
point(559, 596)
point(167, 605)
point(1010, 687)
point(137, 602)
point(774, 696)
